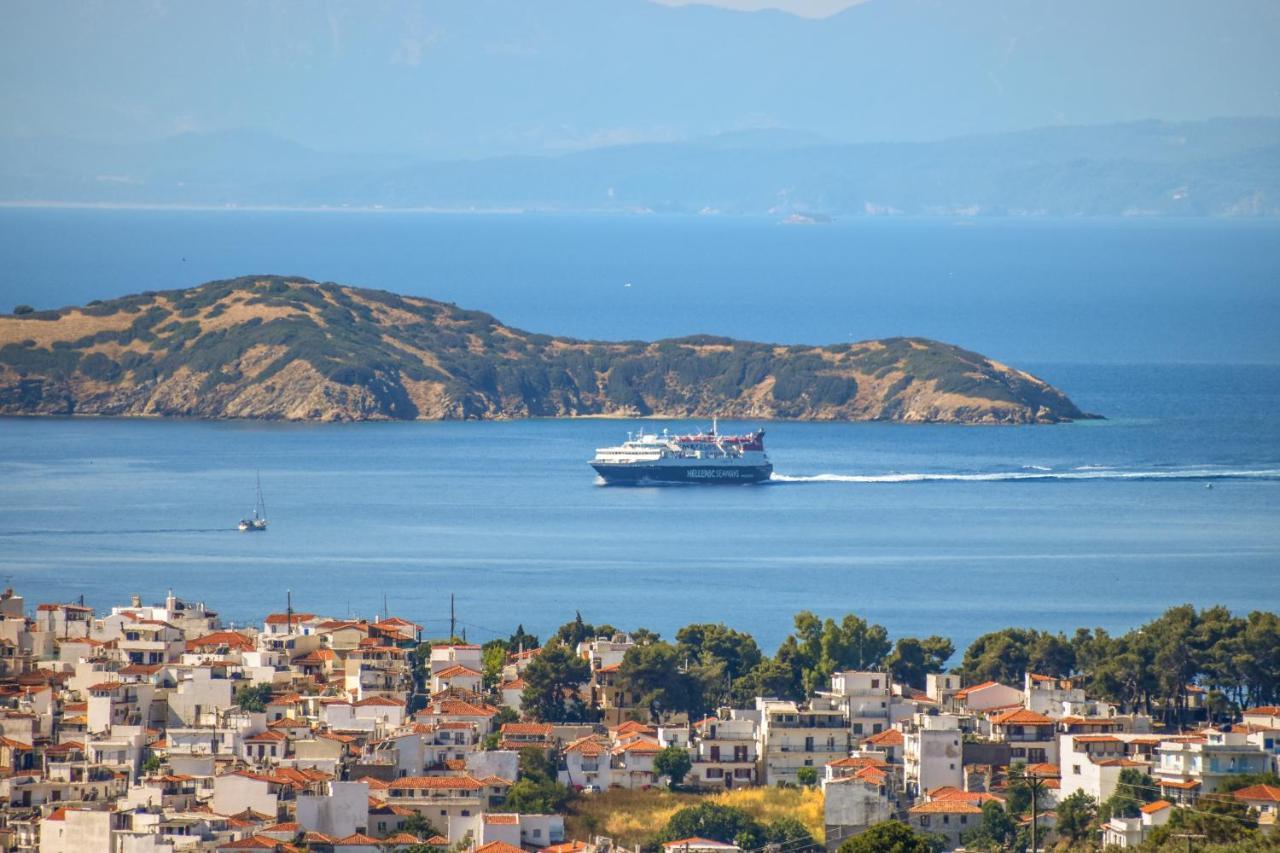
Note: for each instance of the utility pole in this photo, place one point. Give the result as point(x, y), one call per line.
point(288, 610)
point(452, 620)
point(1035, 783)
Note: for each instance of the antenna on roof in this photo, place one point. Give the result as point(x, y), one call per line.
point(288, 611)
point(452, 620)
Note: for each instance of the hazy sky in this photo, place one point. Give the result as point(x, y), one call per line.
point(803, 8)
point(469, 78)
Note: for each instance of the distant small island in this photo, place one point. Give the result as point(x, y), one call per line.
point(283, 348)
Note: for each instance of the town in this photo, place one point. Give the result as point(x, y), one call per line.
point(155, 727)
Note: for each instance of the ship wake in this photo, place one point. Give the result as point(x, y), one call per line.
point(1084, 472)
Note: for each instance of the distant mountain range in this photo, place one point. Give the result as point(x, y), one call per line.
point(286, 348)
point(470, 79)
point(1221, 167)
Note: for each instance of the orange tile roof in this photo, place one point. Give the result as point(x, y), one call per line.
point(283, 618)
point(888, 737)
point(502, 819)
point(535, 729)
point(457, 670)
point(1021, 717)
point(946, 806)
point(357, 840)
point(1157, 806)
point(965, 691)
point(1182, 786)
point(454, 782)
point(858, 761)
point(498, 847)
point(1259, 793)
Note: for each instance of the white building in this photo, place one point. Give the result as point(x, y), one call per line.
point(932, 753)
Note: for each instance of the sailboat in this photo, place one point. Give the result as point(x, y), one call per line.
point(258, 521)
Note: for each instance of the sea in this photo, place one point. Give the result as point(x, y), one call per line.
point(1167, 329)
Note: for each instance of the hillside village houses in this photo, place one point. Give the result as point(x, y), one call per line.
point(124, 732)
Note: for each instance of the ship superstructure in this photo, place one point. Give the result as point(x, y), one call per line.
point(705, 457)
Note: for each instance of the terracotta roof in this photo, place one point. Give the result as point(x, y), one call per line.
point(502, 819)
point(888, 737)
point(268, 737)
point(456, 782)
point(283, 618)
point(858, 761)
point(518, 684)
point(498, 847)
point(457, 670)
point(385, 701)
point(1264, 711)
point(536, 729)
point(567, 847)
point(1021, 717)
point(1182, 786)
point(356, 840)
point(1157, 806)
point(965, 691)
point(695, 841)
point(58, 814)
point(1095, 739)
point(589, 745)
point(402, 838)
point(946, 806)
point(1259, 793)
point(230, 639)
point(457, 708)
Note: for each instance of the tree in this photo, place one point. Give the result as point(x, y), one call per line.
point(817, 648)
point(1133, 790)
point(1018, 792)
point(1076, 814)
point(996, 831)
point(1216, 828)
point(673, 762)
point(494, 657)
point(551, 684)
point(530, 796)
point(253, 697)
point(912, 659)
point(714, 643)
point(654, 673)
point(416, 824)
point(719, 823)
point(807, 776)
point(19, 310)
point(523, 641)
point(891, 836)
point(577, 631)
point(152, 764)
point(791, 833)
point(536, 790)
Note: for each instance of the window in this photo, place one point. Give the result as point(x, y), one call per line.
point(946, 818)
point(1075, 768)
point(857, 728)
point(924, 820)
point(742, 773)
point(715, 773)
point(875, 682)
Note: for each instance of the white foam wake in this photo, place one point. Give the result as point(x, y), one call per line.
point(1075, 474)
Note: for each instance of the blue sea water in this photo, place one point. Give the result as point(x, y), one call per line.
point(926, 529)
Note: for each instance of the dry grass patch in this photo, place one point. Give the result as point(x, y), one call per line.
point(633, 817)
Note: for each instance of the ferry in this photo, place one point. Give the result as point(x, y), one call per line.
point(705, 457)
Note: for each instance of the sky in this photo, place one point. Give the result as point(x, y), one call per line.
point(800, 8)
point(477, 78)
